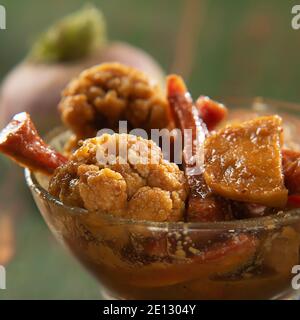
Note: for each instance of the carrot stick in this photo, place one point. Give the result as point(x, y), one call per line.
point(20, 141)
point(203, 205)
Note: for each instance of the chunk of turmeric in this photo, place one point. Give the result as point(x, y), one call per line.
point(243, 162)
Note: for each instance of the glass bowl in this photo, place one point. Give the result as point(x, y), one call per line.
point(241, 259)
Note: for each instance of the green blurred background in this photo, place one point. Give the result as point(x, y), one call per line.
point(222, 48)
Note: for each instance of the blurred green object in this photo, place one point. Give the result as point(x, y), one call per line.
point(242, 48)
point(74, 37)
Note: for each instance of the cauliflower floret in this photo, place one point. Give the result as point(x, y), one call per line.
point(105, 189)
point(102, 95)
point(123, 175)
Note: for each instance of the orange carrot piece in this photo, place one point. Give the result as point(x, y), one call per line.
point(20, 141)
point(203, 205)
point(211, 112)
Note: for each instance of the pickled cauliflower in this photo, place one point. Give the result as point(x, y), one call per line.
point(134, 182)
point(102, 95)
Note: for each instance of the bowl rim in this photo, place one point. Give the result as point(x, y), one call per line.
point(267, 222)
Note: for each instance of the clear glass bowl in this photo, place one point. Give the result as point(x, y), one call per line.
point(242, 259)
